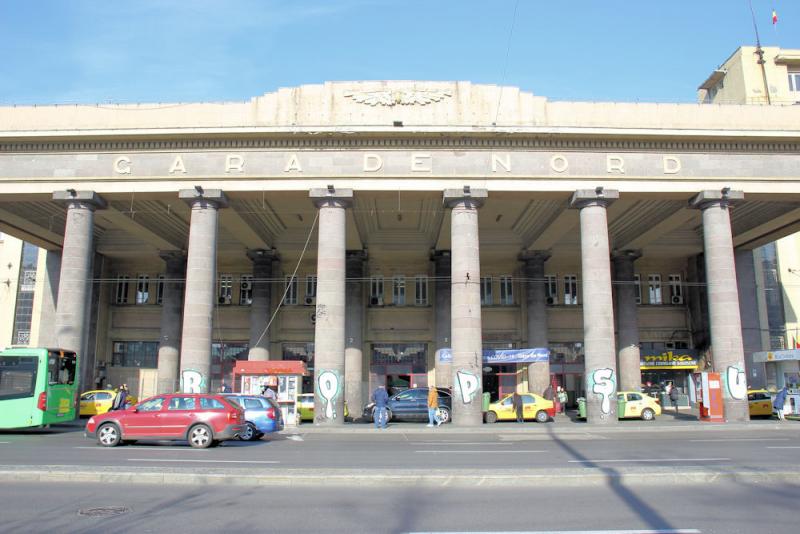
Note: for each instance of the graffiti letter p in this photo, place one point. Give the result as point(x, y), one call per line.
point(604, 385)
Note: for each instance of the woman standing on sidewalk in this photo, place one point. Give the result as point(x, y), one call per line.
point(433, 405)
point(562, 399)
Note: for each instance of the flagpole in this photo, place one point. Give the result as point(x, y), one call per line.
point(760, 53)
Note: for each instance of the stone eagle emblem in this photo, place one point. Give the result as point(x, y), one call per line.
point(407, 97)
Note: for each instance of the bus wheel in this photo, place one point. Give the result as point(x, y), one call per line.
point(200, 437)
point(108, 435)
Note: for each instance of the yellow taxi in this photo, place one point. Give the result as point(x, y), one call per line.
point(634, 404)
point(99, 401)
point(533, 407)
point(760, 402)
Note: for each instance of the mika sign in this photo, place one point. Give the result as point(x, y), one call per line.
point(678, 359)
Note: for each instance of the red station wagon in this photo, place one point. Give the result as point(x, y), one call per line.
point(202, 420)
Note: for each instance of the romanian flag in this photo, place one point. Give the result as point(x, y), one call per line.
point(774, 17)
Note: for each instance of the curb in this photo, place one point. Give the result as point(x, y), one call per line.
point(588, 477)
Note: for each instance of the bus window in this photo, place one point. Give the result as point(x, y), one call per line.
point(61, 368)
point(17, 377)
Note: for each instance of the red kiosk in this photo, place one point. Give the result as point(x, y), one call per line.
point(709, 397)
point(285, 377)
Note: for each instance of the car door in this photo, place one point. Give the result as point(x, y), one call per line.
point(102, 401)
point(88, 403)
point(506, 409)
point(403, 405)
point(178, 416)
point(633, 405)
point(142, 420)
point(529, 406)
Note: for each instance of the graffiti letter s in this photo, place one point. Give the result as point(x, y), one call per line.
point(737, 382)
point(604, 385)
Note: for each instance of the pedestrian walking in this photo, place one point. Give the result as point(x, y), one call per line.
point(562, 399)
point(433, 407)
point(380, 397)
point(516, 403)
point(777, 404)
point(267, 392)
point(224, 388)
point(673, 397)
point(121, 398)
point(548, 392)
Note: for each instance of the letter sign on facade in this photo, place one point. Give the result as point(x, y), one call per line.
point(559, 163)
point(420, 162)
point(122, 165)
point(498, 160)
point(177, 166)
point(672, 165)
point(293, 164)
point(372, 163)
point(234, 163)
point(615, 164)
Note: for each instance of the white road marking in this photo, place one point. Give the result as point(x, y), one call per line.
point(736, 439)
point(650, 460)
point(460, 443)
point(659, 531)
point(5, 442)
point(204, 461)
point(787, 447)
point(474, 452)
point(295, 437)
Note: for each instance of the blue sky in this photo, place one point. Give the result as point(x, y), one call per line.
point(88, 51)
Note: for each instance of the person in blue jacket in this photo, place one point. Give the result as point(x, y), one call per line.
point(777, 404)
point(380, 397)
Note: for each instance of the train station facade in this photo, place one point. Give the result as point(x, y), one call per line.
point(363, 227)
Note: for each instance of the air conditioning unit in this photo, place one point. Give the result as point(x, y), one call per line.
point(677, 299)
point(376, 301)
point(224, 300)
point(551, 300)
point(247, 285)
point(669, 345)
point(310, 301)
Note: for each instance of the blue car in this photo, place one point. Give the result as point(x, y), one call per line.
point(263, 416)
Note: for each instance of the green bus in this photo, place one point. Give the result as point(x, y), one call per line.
point(37, 387)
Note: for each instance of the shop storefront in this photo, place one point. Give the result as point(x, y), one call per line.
point(782, 368)
point(566, 369)
point(673, 366)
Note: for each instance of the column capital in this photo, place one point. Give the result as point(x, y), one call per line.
point(472, 198)
point(331, 197)
point(198, 194)
point(723, 197)
point(626, 255)
point(533, 256)
point(172, 256)
point(598, 196)
point(257, 255)
point(87, 199)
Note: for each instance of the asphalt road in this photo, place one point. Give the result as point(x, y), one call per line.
point(723, 508)
point(756, 447)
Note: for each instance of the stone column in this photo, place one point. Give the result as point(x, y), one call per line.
point(75, 280)
point(169, 347)
point(329, 333)
point(598, 312)
point(628, 361)
point(354, 328)
point(465, 294)
point(536, 306)
point(201, 281)
point(260, 303)
point(443, 370)
point(723, 299)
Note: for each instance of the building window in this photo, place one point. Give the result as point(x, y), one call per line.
point(142, 289)
point(551, 289)
point(311, 290)
point(303, 352)
point(486, 291)
point(246, 290)
point(675, 289)
point(135, 354)
point(121, 292)
point(570, 290)
point(224, 356)
point(291, 290)
point(637, 280)
point(160, 289)
point(23, 310)
point(421, 293)
point(399, 290)
point(376, 291)
point(794, 82)
point(225, 294)
point(506, 290)
point(654, 288)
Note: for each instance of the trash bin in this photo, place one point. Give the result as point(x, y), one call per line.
point(581, 407)
point(621, 406)
point(485, 401)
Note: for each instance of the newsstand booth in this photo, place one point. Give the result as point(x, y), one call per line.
point(285, 377)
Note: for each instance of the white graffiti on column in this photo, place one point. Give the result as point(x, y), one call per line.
point(328, 384)
point(737, 382)
point(468, 383)
point(603, 384)
point(191, 381)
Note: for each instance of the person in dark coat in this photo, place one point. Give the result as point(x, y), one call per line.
point(777, 404)
point(121, 399)
point(548, 392)
point(516, 402)
point(673, 397)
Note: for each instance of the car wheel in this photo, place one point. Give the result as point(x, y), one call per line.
point(648, 414)
point(200, 437)
point(108, 435)
point(444, 416)
point(542, 417)
point(491, 417)
point(249, 432)
point(388, 415)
